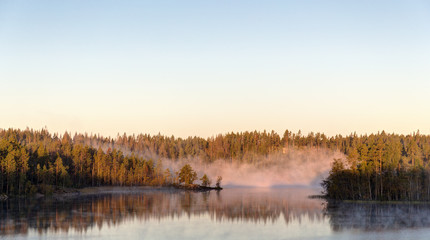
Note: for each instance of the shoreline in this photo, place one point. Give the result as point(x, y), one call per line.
point(63, 193)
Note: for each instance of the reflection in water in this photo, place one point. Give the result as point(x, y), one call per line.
point(85, 212)
point(377, 216)
point(247, 212)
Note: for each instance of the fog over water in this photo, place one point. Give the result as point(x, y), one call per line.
point(298, 167)
point(289, 167)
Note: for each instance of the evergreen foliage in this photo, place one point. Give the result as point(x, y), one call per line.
point(378, 166)
point(384, 167)
point(187, 175)
point(205, 181)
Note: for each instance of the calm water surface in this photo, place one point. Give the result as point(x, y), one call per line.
point(235, 213)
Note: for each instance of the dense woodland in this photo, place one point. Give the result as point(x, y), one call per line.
point(382, 167)
point(31, 160)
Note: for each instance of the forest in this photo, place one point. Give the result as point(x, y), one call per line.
point(376, 167)
point(382, 167)
point(36, 161)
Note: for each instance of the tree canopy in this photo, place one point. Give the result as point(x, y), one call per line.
point(187, 175)
point(377, 166)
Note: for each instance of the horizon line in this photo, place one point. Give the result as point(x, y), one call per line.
point(417, 132)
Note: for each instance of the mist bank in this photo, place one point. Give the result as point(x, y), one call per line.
point(294, 167)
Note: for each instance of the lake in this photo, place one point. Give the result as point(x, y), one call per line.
point(233, 213)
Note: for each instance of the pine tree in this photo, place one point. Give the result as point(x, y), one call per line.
point(205, 181)
point(187, 175)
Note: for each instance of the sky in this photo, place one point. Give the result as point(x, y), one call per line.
point(200, 68)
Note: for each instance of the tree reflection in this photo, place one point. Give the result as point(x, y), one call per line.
point(97, 211)
point(377, 216)
point(258, 206)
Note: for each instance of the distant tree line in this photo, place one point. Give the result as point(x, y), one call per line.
point(235, 147)
point(378, 166)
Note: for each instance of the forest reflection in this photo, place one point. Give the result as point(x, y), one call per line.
point(259, 206)
point(347, 216)
point(80, 214)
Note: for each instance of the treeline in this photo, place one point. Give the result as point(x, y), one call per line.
point(382, 167)
point(236, 147)
point(26, 169)
point(374, 162)
point(35, 161)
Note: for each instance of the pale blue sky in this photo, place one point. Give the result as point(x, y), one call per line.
point(208, 67)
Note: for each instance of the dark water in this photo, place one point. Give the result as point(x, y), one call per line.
point(236, 213)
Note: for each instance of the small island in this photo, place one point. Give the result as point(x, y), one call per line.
point(187, 176)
